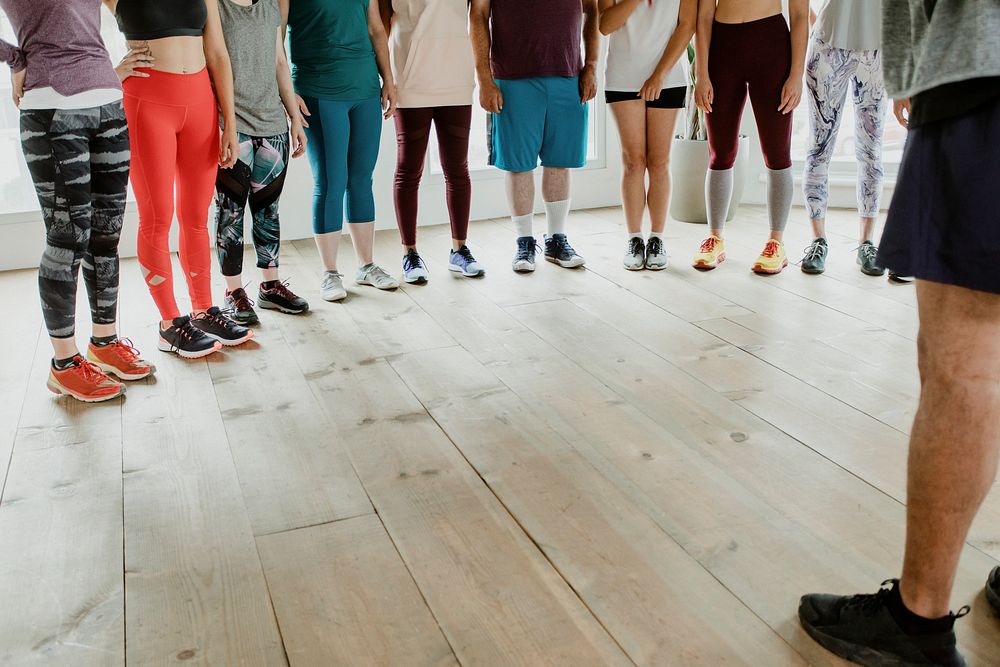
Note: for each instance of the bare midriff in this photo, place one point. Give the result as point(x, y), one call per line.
point(177, 55)
point(744, 11)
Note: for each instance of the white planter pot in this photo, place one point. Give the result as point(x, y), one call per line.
point(688, 167)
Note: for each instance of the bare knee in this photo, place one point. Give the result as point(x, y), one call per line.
point(658, 167)
point(633, 164)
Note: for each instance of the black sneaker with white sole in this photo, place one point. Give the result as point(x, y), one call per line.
point(559, 251)
point(185, 340)
point(993, 589)
point(239, 307)
point(524, 260)
point(878, 631)
point(277, 296)
point(217, 326)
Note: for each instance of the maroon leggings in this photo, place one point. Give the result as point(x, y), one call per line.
point(413, 131)
point(754, 56)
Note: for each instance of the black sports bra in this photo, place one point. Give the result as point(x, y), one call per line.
point(156, 19)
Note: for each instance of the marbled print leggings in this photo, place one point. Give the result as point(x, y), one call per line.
point(830, 72)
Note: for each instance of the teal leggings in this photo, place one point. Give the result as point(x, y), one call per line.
point(343, 148)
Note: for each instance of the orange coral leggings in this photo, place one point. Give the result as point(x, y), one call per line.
point(173, 123)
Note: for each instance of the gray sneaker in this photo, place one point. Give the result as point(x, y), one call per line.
point(814, 261)
point(332, 286)
point(375, 276)
point(635, 254)
point(656, 254)
point(867, 259)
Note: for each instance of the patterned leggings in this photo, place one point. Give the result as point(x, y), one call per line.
point(829, 74)
point(79, 163)
point(258, 176)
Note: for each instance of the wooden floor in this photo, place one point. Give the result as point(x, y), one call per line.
point(589, 467)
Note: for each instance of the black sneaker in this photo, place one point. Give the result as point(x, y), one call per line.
point(863, 629)
point(814, 261)
point(279, 297)
point(559, 251)
point(186, 340)
point(993, 589)
point(902, 280)
point(867, 259)
point(524, 260)
point(219, 327)
point(239, 307)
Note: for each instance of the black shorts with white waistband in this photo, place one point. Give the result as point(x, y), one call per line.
point(670, 98)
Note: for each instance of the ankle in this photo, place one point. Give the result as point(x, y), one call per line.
point(920, 605)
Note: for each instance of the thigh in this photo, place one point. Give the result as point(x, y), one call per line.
point(630, 117)
point(660, 124)
point(516, 133)
point(315, 136)
point(109, 163)
point(365, 137)
point(269, 166)
point(954, 321)
point(828, 77)
point(564, 145)
point(197, 158)
point(453, 126)
point(870, 100)
point(773, 126)
point(413, 131)
point(152, 132)
point(233, 185)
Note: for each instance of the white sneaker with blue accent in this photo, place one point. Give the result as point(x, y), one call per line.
point(462, 261)
point(414, 270)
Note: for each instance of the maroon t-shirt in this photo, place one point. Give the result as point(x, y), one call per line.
point(533, 38)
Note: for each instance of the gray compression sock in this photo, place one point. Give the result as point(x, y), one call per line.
point(718, 195)
point(779, 197)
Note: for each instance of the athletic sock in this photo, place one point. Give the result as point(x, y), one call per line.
point(779, 197)
point(656, 235)
point(63, 364)
point(103, 341)
point(718, 195)
point(523, 224)
point(913, 624)
point(637, 235)
point(556, 213)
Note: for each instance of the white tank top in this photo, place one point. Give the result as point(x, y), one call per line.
point(635, 49)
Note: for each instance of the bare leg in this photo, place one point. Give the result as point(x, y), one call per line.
point(956, 437)
point(555, 184)
point(521, 192)
point(867, 229)
point(363, 237)
point(631, 119)
point(819, 228)
point(660, 133)
point(65, 348)
point(328, 246)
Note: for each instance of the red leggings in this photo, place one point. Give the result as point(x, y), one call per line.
point(413, 131)
point(754, 56)
point(173, 123)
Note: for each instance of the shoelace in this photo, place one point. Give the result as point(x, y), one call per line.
point(868, 251)
point(412, 261)
point(815, 250)
point(870, 603)
point(466, 254)
point(708, 245)
point(771, 249)
point(526, 248)
point(637, 247)
point(655, 246)
point(125, 350)
point(378, 273)
point(562, 243)
point(89, 372)
point(219, 319)
point(283, 291)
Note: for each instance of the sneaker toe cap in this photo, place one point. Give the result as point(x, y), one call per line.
point(818, 609)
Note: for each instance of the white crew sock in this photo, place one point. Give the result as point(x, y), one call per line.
point(656, 235)
point(523, 224)
point(637, 235)
point(556, 213)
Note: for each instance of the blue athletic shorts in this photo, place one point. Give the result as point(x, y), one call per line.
point(542, 119)
point(943, 224)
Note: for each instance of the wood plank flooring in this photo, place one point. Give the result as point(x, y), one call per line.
point(590, 467)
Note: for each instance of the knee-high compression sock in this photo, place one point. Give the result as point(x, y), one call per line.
point(779, 197)
point(556, 213)
point(718, 195)
point(523, 224)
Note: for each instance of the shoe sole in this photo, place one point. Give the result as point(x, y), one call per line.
point(854, 652)
point(759, 270)
point(656, 267)
point(567, 264)
point(633, 268)
point(466, 274)
point(523, 268)
point(900, 281)
point(267, 305)
point(813, 272)
point(415, 281)
point(876, 274)
point(60, 390)
point(246, 321)
point(334, 298)
point(112, 370)
point(164, 346)
point(231, 342)
point(386, 288)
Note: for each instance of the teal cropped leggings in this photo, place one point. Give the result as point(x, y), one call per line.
point(343, 149)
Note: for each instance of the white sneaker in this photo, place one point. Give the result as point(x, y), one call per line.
point(331, 288)
point(375, 276)
point(414, 271)
point(635, 254)
point(656, 254)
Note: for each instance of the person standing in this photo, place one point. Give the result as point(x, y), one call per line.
point(338, 51)
point(264, 102)
point(942, 209)
point(75, 142)
point(435, 80)
point(536, 86)
point(178, 79)
point(844, 57)
point(646, 82)
point(745, 48)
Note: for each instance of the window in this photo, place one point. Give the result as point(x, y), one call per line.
point(17, 194)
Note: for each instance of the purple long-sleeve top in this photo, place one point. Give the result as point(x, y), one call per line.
point(60, 45)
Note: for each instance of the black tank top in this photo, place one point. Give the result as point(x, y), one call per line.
point(156, 19)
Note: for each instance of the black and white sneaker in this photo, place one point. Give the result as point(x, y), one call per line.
point(277, 296)
point(185, 340)
point(559, 251)
point(993, 589)
point(217, 326)
point(524, 260)
point(239, 307)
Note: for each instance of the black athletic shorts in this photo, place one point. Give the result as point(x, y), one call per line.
point(944, 224)
point(670, 98)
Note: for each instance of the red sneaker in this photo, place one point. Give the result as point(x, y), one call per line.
point(85, 382)
point(121, 359)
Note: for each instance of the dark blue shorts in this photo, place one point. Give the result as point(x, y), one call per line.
point(944, 220)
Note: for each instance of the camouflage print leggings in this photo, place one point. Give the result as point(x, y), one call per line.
point(79, 163)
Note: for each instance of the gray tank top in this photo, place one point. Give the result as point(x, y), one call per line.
point(850, 24)
point(251, 37)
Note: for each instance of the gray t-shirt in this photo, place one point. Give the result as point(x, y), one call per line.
point(855, 25)
point(252, 40)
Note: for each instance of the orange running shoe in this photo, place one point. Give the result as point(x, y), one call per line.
point(84, 381)
point(120, 358)
point(772, 260)
point(711, 253)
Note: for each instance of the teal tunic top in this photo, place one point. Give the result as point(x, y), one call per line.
point(331, 53)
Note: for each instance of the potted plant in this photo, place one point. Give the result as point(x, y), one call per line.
point(689, 164)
